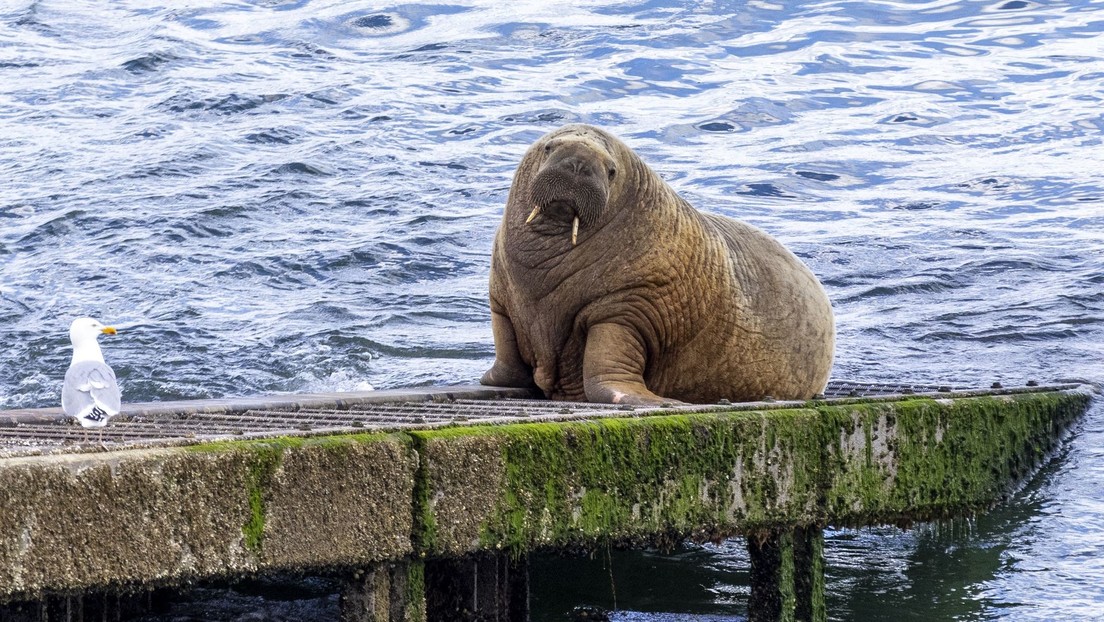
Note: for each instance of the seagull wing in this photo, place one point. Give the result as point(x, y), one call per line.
point(90, 393)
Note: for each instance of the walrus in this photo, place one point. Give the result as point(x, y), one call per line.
point(606, 286)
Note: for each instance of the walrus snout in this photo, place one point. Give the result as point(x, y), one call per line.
point(571, 186)
point(579, 159)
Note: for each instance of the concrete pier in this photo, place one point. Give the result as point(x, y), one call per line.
point(431, 516)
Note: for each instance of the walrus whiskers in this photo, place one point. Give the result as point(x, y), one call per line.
point(533, 214)
point(575, 231)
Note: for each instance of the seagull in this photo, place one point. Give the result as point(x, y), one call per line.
point(90, 393)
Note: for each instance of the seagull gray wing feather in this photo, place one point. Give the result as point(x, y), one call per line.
point(90, 385)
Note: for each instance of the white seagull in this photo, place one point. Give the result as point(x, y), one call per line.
point(90, 393)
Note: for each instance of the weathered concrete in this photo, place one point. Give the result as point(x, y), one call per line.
point(925, 459)
point(775, 476)
point(91, 521)
point(659, 479)
point(94, 521)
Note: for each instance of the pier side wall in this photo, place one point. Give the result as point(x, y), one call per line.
point(626, 480)
point(658, 479)
point(926, 459)
point(75, 522)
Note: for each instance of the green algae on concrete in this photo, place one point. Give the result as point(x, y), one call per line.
point(470, 467)
point(658, 479)
point(924, 459)
point(415, 595)
point(626, 480)
point(263, 465)
point(283, 469)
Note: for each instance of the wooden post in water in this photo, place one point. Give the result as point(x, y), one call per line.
point(787, 576)
point(389, 592)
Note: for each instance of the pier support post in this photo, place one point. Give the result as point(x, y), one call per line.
point(392, 592)
point(491, 588)
point(787, 576)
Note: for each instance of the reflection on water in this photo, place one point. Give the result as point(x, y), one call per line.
point(301, 195)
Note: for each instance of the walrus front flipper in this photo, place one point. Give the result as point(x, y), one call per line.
point(508, 369)
point(613, 367)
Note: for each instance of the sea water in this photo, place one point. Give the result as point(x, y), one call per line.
point(296, 196)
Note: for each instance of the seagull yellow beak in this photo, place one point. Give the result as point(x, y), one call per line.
point(109, 330)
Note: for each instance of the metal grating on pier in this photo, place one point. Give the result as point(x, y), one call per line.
point(34, 435)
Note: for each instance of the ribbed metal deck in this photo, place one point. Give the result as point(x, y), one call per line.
point(46, 431)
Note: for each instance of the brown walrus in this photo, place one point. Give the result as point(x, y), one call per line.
point(606, 286)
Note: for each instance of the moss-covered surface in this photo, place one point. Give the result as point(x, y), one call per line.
point(662, 478)
point(265, 460)
point(262, 467)
point(415, 596)
point(926, 459)
point(809, 588)
point(626, 480)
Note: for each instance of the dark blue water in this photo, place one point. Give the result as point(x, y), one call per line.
point(301, 196)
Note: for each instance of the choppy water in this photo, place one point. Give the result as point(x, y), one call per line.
point(301, 196)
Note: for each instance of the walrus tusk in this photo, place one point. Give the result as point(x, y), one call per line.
point(533, 214)
point(574, 231)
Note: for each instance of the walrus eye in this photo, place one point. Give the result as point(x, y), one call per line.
point(612, 172)
point(548, 148)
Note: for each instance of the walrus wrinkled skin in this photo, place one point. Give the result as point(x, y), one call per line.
point(606, 286)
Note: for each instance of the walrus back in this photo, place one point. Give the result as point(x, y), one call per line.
point(791, 306)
